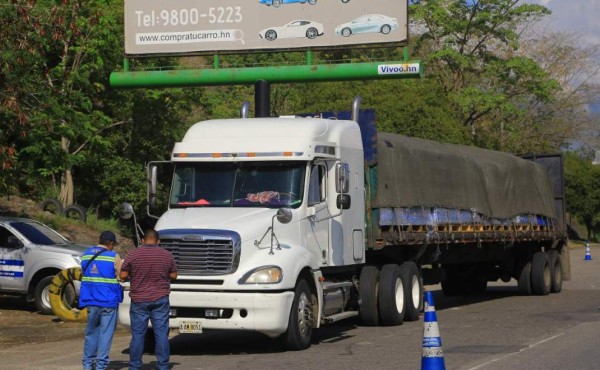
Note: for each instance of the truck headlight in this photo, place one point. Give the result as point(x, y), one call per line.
point(263, 275)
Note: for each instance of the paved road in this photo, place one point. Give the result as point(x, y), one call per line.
point(498, 331)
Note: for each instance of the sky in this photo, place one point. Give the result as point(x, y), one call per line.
point(580, 16)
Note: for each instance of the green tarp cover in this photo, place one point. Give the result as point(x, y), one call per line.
point(415, 172)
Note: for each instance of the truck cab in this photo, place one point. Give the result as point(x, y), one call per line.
point(257, 209)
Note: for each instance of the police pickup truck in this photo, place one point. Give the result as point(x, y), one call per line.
point(31, 254)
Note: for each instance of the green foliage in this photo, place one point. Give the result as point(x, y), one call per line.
point(582, 189)
point(472, 48)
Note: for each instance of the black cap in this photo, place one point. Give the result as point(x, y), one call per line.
point(108, 236)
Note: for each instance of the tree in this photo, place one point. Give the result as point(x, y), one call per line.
point(63, 50)
point(582, 189)
point(471, 48)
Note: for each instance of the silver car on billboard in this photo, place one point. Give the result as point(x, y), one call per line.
point(368, 23)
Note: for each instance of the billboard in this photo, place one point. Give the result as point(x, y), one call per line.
point(197, 26)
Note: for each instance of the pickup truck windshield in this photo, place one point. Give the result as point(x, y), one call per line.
point(240, 184)
point(38, 233)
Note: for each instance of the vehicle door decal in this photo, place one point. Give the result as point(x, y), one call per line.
point(12, 268)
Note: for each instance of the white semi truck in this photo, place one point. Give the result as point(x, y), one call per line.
point(281, 225)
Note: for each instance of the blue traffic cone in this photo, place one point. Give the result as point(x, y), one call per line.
point(588, 254)
point(433, 356)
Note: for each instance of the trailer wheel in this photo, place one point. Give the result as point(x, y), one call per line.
point(555, 271)
point(367, 290)
point(525, 279)
point(540, 274)
point(391, 295)
point(413, 291)
point(299, 332)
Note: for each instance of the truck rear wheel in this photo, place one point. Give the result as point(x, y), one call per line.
point(368, 290)
point(299, 331)
point(540, 274)
point(391, 295)
point(525, 279)
point(413, 291)
point(555, 271)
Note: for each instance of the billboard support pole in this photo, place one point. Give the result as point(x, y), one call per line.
point(262, 99)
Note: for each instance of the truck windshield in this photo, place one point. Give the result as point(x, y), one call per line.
point(240, 184)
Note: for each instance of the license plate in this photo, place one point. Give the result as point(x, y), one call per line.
point(190, 327)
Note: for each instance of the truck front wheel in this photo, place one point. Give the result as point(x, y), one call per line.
point(41, 295)
point(299, 331)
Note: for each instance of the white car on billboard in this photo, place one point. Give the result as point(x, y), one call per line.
point(368, 23)
point(297, 28)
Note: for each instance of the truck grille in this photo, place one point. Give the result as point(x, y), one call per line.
point(203, 253)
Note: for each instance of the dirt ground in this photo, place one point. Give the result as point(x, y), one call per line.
point(20, 323)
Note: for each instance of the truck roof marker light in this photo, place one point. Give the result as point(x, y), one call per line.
point(238, 155)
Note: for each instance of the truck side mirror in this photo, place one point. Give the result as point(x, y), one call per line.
point(13, 242)
point(152, 176)
point(284, 215)
point(343, 201)
point(126, 211)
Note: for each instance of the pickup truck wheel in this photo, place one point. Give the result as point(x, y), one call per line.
point(391, 295)
point(555, 271)
point(525, 279)
point(300, 325)
point(413, 291)
point(368, 290)
point(41, 295)
point(540, 274)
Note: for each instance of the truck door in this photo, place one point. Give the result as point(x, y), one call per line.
point(12, 263)
point(318, 227)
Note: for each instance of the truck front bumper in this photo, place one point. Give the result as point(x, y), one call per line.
point(267, 313)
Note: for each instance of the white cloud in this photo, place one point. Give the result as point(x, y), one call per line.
point(578, 16)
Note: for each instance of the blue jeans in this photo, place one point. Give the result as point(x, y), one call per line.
point(99, 331)
point(158, 314)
